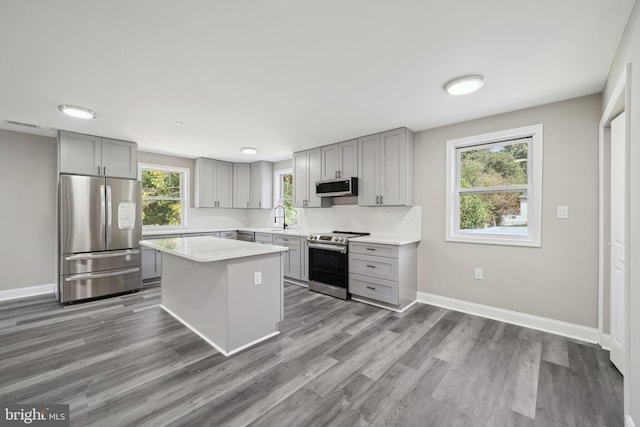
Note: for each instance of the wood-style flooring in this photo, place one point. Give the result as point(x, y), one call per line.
point(124, 361)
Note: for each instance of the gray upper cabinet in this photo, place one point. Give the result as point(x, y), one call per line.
point(213, 184)
point(119, 158)
point(92, 155)
point(307, 169)
point(241, 185)
point(223, 184)
point(261, 185)
point(385, 169)
point(340, 160)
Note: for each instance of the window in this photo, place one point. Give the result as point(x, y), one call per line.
point(494, 188)
point(164, 195)
point(284, 196)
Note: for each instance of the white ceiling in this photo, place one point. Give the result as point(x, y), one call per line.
point(286, 75)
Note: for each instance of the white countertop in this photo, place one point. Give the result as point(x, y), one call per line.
point(272, 230)
point(210, 249)
point(386, 240)
point(173, 231)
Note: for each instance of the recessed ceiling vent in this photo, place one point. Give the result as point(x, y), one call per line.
point(29, 125)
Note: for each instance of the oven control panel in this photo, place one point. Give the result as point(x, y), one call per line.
point(328, 239)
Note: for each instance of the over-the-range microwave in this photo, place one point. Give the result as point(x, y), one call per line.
point(337, 187)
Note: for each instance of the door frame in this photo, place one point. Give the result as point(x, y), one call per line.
point(618, 102)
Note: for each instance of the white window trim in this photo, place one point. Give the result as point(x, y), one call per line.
point(277, 193)
point(534, 188)
point(184, 192)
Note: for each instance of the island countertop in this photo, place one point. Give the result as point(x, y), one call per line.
point(210, 249)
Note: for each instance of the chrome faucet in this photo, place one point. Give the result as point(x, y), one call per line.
point(275, 217)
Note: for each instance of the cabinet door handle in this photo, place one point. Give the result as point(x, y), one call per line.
point(370, 249)
point(98, 170)
point(339, 174)
point(371, 266)
point(104, 170)
point(381, 201)
point(260, 204)
point(371, 287)
point(377, 200)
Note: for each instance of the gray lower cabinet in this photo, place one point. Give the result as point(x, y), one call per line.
point(152, 259)
point(233, 235)
point(264, 238)
point(383, 274)
point(293, 258)
point(151, 263)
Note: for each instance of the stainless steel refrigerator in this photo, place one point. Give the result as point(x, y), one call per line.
point(99, 235)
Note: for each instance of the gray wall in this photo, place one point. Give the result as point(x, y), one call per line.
point(28, 187)
point(558, 280)
point(629, 52)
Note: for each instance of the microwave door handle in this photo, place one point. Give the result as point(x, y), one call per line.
point(109, 215)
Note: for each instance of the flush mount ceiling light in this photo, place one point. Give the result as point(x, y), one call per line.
point(179, 123)
point(77, 112)
point(464, 85)
point(249, 150)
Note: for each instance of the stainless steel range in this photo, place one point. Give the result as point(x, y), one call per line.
point(329, 262)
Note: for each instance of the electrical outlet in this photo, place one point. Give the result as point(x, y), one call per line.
point(479, 274)
point(257, 278)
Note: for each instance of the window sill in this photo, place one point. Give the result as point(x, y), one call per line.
point(500, 241)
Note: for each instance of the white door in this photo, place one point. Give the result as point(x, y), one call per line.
point(618, 281)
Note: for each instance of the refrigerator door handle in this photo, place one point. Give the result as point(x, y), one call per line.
point(102, 212)
point(109, 215)
point(101, 256)
point(89, 276)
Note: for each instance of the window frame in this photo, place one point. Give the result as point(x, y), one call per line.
point(533, 188)
point(278, 191)
point(184, 192)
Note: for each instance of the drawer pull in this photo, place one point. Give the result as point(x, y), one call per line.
point(370, 249)
point(371, 287)
point(371, 266)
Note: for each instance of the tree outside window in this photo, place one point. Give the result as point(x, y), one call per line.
point(494, 187)
point(284, 196)
point(163, 195)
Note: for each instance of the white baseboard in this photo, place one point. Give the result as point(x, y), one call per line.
point(30, 291)
point(558, 327)
point(628, 421)
point(605, 341)
point(364, 301)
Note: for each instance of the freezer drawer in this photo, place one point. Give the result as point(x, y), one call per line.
point(90, 285)
point(99, 261)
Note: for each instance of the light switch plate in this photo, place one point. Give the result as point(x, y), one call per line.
point(257, 278)
point(478, 274)
point(562, 212)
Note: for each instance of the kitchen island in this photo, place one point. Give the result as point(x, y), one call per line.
point(228, 292)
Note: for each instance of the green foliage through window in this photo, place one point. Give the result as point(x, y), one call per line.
point(493, 181)
point(290, 212)
point(161, 197)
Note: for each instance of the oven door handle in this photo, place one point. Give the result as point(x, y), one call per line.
point(334, 248)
